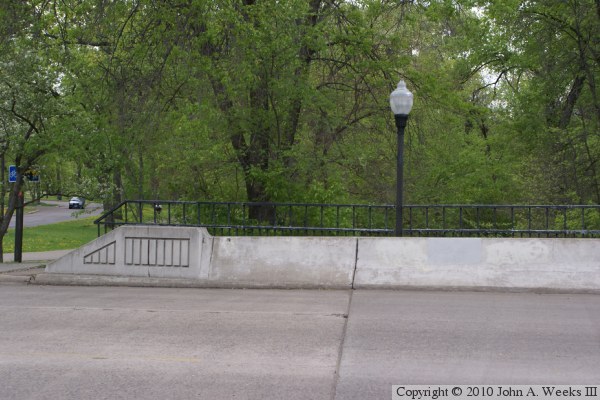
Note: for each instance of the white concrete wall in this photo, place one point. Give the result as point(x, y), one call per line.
point(178, 252)
point(149, 251)
point(284, 261)
point(561, 264)
point(295, 262)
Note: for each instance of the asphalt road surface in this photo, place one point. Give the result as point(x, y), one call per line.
point(149, 343)
point(55, 211)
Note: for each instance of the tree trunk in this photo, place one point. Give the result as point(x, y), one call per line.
point(141, 174)
point(256, 194)
point(117, 194)
point(13, 198)
point(2, 196)
point(58, 184)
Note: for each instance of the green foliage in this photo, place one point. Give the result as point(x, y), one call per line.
point(287, 101)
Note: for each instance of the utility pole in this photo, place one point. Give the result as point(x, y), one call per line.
point(19, 228)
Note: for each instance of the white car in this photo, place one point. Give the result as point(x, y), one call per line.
point(76, 202)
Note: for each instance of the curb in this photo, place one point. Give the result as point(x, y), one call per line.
point(56, 279)
point(16, 278)
point(39, 265)
point(138, 281)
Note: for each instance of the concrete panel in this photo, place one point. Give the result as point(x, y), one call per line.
point(137, 250)
point(148, 251)
point(284, 261)
point(206, 250)
point(512, 252)
point(160, 252)
point(168, 252)
point(555, 264)
point(543, 263)
point(454, 251)
point(569, 251)
point(129, 252)
point(152, 252)
point(184, 256)
point(382, 261)
point(177, 253)
point(103, 256)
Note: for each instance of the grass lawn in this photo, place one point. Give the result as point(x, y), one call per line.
point(59, 236)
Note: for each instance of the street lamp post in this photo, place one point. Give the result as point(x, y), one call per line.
point(401, 101)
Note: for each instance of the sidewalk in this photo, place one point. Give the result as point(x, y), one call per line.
point(33, 263)
point(38, 256)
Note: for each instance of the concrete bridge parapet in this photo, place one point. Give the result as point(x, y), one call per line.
point(199, 259)
point(148, 251)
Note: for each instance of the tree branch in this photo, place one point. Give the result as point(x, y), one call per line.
point(80, 41)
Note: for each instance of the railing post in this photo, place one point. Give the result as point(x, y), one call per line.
point(512, 220)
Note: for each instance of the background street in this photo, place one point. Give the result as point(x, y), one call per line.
point(143, 343)
point(55, 211)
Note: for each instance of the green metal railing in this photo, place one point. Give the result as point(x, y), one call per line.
point(303, 219)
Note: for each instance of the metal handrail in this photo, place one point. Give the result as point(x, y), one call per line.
point(243, 218)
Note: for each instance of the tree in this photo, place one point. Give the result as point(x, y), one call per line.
point(31, 108)
point(545, 55)
point(288, 81)
point(263, 100)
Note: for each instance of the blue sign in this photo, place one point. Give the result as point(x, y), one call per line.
point(12, 173)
